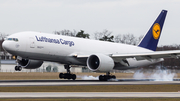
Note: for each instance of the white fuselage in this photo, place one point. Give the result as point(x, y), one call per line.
point(57, 48)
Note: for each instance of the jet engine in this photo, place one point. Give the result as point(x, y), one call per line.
point(100, 63)
point(29, 64)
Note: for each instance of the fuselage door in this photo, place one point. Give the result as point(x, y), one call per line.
point(32, 42)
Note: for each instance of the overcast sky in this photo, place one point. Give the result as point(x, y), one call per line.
point(119, 16)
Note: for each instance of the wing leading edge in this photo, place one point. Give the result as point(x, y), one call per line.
point(141, 56)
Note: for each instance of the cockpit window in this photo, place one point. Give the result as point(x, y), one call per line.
point(9, 39)
point(16, 39)
point(13, 39)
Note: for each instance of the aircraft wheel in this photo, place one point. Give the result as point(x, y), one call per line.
point(102, 78)
point(19, 68)
point(16, 68)
point(113, 77)
point(67, 76)
point(106, 77)
point(61, 75)
point(73, 76)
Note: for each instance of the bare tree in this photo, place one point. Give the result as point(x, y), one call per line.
point(3, 35)
point(66, 32)
point(2, 38)
point(127, 39)
point(139, 39)
point(105, 35)
point(81, 34)
point(73, 33)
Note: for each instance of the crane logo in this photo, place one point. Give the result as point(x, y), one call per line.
point(156, 30)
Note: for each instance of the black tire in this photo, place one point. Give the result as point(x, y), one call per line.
point(106, 77)
point(16, 68)
point(19, 68)
point(102, 78)
point(65, 76)
point(69, 76)
point(61, 75)
point(73, 76)
point(113, 77)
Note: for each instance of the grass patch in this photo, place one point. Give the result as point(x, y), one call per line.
point(94, 88)
point(27, 76)
point(51, 75)
point(95, 99)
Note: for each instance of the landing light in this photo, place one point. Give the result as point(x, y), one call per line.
point(14, 57)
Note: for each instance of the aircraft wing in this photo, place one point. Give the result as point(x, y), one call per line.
point(151, 55)
point(142, 56)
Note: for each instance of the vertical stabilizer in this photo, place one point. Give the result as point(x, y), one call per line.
point(151, 39)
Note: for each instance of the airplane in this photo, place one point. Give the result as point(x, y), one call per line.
point(32, 48)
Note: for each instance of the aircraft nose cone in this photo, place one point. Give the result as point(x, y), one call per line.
point(5, 45)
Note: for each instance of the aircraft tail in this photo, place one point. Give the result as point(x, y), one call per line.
point(151, 39)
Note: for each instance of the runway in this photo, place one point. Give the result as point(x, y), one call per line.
point(7, 83)
point(83, 82)
point(86, 94)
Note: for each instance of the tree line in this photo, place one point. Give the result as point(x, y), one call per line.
point(107, 35)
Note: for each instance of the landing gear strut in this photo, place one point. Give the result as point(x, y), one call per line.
point(106, 77)
point(18, 68)
point(67, 75)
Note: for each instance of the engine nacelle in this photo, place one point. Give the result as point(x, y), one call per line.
point(30, 64)
point(100, 63)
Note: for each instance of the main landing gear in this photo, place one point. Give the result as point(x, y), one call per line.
point(18, 68)
point(67, 75)
point(106, 77)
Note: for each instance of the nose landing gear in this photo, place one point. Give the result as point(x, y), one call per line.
point(18, 68)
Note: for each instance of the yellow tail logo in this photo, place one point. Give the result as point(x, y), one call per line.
point(156, 30)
